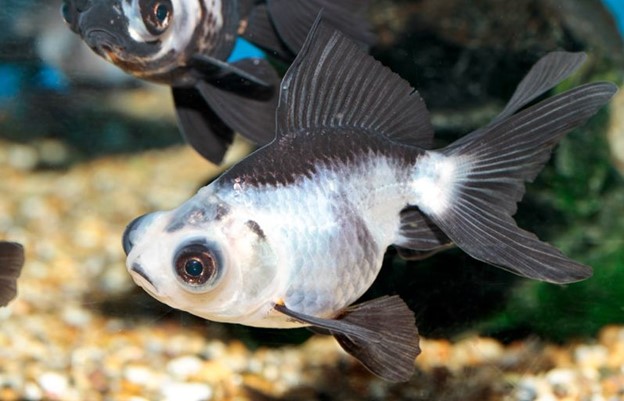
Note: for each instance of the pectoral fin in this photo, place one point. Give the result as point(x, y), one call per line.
point(380, 333)
point(237, 97)
point(213, 69)
point(200, 126)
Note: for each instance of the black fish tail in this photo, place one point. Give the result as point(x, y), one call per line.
point(477, 181)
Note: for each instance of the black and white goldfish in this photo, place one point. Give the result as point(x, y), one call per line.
point(184, 44)
point(295, 233)
point(11, 263)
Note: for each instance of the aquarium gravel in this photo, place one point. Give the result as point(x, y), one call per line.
point(62, 340)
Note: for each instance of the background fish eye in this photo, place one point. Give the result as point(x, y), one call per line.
point(197, 266)
point(156, 15)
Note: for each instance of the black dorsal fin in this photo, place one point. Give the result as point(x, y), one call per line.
point(334, 84)
point(293, 18)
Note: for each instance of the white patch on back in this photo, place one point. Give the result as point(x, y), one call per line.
point(436, 179)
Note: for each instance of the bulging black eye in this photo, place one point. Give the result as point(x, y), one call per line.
point(197, 265)
point(157, 15)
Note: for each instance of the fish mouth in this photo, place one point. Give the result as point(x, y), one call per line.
point(143, 280)
point(103, 43)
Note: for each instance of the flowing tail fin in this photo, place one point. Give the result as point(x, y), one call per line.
point(470, 188)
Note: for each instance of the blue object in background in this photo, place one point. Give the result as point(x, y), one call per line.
point(617, 9)
point(15, 78)
point(244, 49)
point(10, 78)
point(52, 79)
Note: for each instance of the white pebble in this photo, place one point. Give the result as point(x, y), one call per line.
point(186, 391)
point(591, 356)
point(75, 316)
point(32, 392)
point(54, 384)
point(184, 366)
point(138, 375)
point(23, 157)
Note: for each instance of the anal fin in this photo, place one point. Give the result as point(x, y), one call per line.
point(381, 334)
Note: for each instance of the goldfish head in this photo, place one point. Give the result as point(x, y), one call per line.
point(151, 39)
point(204, 259)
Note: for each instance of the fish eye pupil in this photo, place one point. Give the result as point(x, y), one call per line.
point(197, 266)
point(162, 12)
point(193, 267)
point(156, 14)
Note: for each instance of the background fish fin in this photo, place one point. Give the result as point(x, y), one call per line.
point(252, 118)
point(419, 234)
point(248, 73)
point(294, 18)
point(11, 263)
point(200, 126)
point(261, 32)
point(263, 86)
point(333, 83)
point(492, 168)
point(380, 333)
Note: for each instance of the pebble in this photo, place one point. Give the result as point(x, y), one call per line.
point(184, 367)
point(186, 391)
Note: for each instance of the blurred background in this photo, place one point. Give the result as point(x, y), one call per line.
point(85, 148)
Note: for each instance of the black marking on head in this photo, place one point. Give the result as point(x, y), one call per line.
point(255, 227)
point(196, 215)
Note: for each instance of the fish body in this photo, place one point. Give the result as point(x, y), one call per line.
point(293, 234)
point(11, 263)
point(185, 44)
point(155, 40)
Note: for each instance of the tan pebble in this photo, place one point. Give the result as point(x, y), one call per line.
point(477, 350)
point(9, 394)
point(610, 336)
point(130, 388)
point(615, 358)
point(238, 357)
point(613, 386)
point(260, 385)
point(213, 372)
point(560, 356)
point(434, 353)
point(590, 356)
